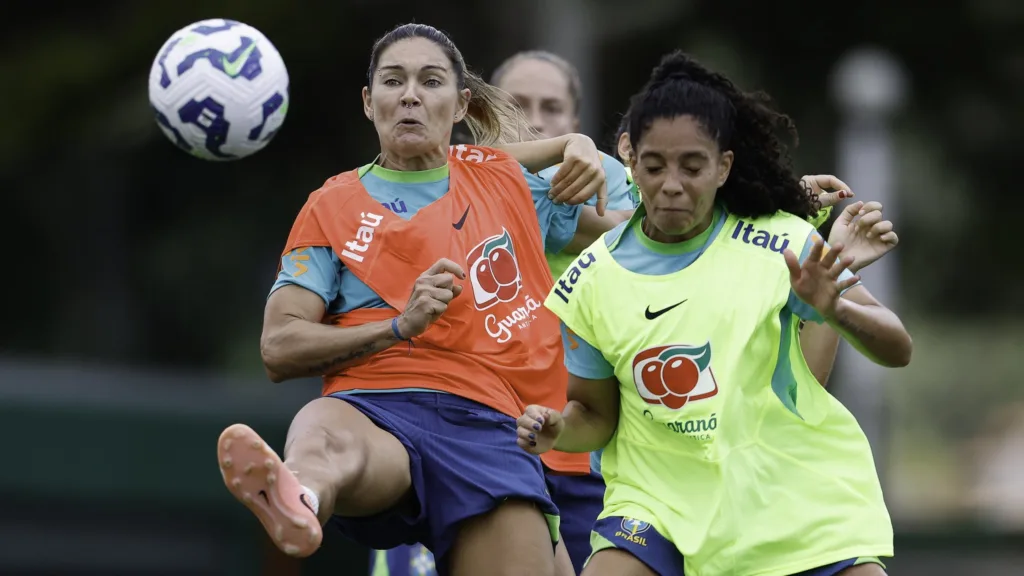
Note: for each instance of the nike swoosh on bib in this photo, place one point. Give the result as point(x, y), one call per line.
point(652, 315)
point(234, 67)
point(458, 225)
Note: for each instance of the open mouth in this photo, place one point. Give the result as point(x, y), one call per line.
point(409, 122)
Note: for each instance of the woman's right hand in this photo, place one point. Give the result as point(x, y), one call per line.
point(431, 293)
point(539, 428)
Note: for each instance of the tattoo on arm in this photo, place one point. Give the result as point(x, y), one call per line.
point(364, 350)
point(855, 329)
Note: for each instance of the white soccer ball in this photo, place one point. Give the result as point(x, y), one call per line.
point(219, 89)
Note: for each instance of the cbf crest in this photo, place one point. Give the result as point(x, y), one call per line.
point(632, 530)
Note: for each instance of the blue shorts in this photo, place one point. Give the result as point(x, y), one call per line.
point(641, 540)
point(833, 569)
point(463, 460)
point(660, 555)
point(579, 500)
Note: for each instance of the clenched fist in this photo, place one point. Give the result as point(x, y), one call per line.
point(431, 293)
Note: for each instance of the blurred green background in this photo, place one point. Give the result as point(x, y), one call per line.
point(139, 273)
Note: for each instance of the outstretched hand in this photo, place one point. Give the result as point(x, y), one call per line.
point(865, 234)
point(817, 282)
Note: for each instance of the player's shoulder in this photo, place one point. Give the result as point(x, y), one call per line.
point(772, 233)
point(611, 238)
point(338, 184)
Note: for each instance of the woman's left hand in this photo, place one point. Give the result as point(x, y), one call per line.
point(817, 281)
point(581, 174)
point(865, 234)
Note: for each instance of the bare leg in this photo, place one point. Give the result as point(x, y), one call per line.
point(614, 562)
point(563, 563)
point(511, 540)
point(352, 467)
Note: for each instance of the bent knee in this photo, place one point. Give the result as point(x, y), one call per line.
point(345, 443)
point(328, 442)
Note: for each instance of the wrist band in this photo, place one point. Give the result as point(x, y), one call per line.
point(394, 328)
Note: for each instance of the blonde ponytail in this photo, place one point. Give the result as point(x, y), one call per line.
point(493, 117)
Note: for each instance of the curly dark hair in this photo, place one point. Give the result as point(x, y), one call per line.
point(762, 181)
point(622, 129)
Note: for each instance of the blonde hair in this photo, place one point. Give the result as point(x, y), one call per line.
point(572, 75)
point(493, 117)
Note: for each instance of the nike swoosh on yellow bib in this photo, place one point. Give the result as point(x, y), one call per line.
point(234, 67)
point(744, 462)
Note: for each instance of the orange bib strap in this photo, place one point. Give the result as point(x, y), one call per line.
point(495, 343)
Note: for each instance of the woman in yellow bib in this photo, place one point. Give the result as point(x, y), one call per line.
point(723, 456)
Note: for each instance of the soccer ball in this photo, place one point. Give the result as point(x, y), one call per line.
point(219, 89)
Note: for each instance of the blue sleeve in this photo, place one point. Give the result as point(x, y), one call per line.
point(595, 461)
point(620, 195)
point(316, 269)
point(582, 359)
point(797, 306)
point(557, 221)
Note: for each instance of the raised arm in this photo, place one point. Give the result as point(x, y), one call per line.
point(620, 208)
point(867, 237)
point(581, 174)
point(874, 330)
point(536, 155)
point(849, 308)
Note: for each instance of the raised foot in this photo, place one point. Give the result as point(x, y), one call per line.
point(256, 476)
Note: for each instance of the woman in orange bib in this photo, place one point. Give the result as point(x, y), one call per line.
point(414, 284)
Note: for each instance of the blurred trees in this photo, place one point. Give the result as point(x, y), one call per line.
point(123, 249)
point(138, 253)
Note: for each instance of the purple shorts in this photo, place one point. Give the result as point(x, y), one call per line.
point(463, 460)
point(641, 540)
point(579, 500)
